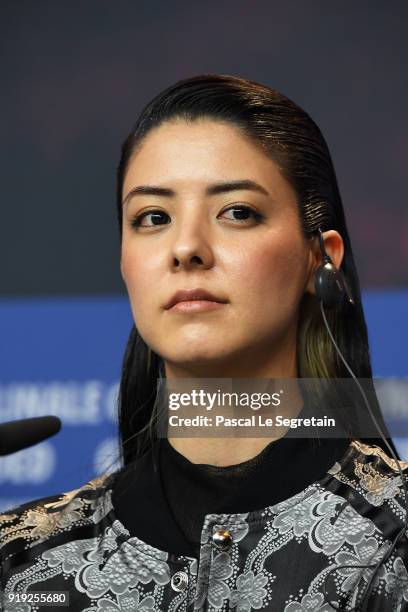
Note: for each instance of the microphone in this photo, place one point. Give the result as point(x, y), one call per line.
point(16, 435)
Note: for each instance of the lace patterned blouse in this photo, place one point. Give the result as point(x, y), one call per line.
point(275, 558)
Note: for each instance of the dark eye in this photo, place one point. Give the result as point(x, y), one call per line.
point(244, 213)
point(136, 222)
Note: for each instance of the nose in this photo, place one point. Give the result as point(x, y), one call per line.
point(191, 244)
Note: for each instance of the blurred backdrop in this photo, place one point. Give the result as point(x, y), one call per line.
point(75, 75)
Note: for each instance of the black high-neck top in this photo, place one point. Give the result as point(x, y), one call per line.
point(165, 507)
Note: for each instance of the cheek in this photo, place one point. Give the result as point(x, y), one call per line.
point(271, 273)
point(138, 277)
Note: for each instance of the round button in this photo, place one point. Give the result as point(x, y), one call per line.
point(222, 539)
point(179, 581)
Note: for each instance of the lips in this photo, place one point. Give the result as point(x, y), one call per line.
point(194, 294)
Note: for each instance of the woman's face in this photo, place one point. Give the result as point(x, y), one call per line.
point(255, 259)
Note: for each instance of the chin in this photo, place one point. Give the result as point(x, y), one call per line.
point(189, 356)
point(189, 350)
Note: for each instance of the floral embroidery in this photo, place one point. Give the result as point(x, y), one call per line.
point(349, 527)
point(218, 590)
point(367, 552)
point(397, 581)
point(45, 524)
point(41, 521)
point(39, 525)
point(378, 452)
point(92, 485)
point(128, 566)
point(309, 603)
point(250, 592)
point(299, 518)
point(93, 556)
point(379, 487)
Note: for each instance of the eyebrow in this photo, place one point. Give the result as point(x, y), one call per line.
point(216, 188)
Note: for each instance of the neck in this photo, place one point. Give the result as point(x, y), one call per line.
point(221, 451)
point(257, 364)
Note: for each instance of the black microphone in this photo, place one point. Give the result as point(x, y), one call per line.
point(16, 435)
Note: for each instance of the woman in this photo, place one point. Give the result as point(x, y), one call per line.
point(226, 185)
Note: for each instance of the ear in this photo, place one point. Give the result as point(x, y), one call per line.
point(334, 247)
